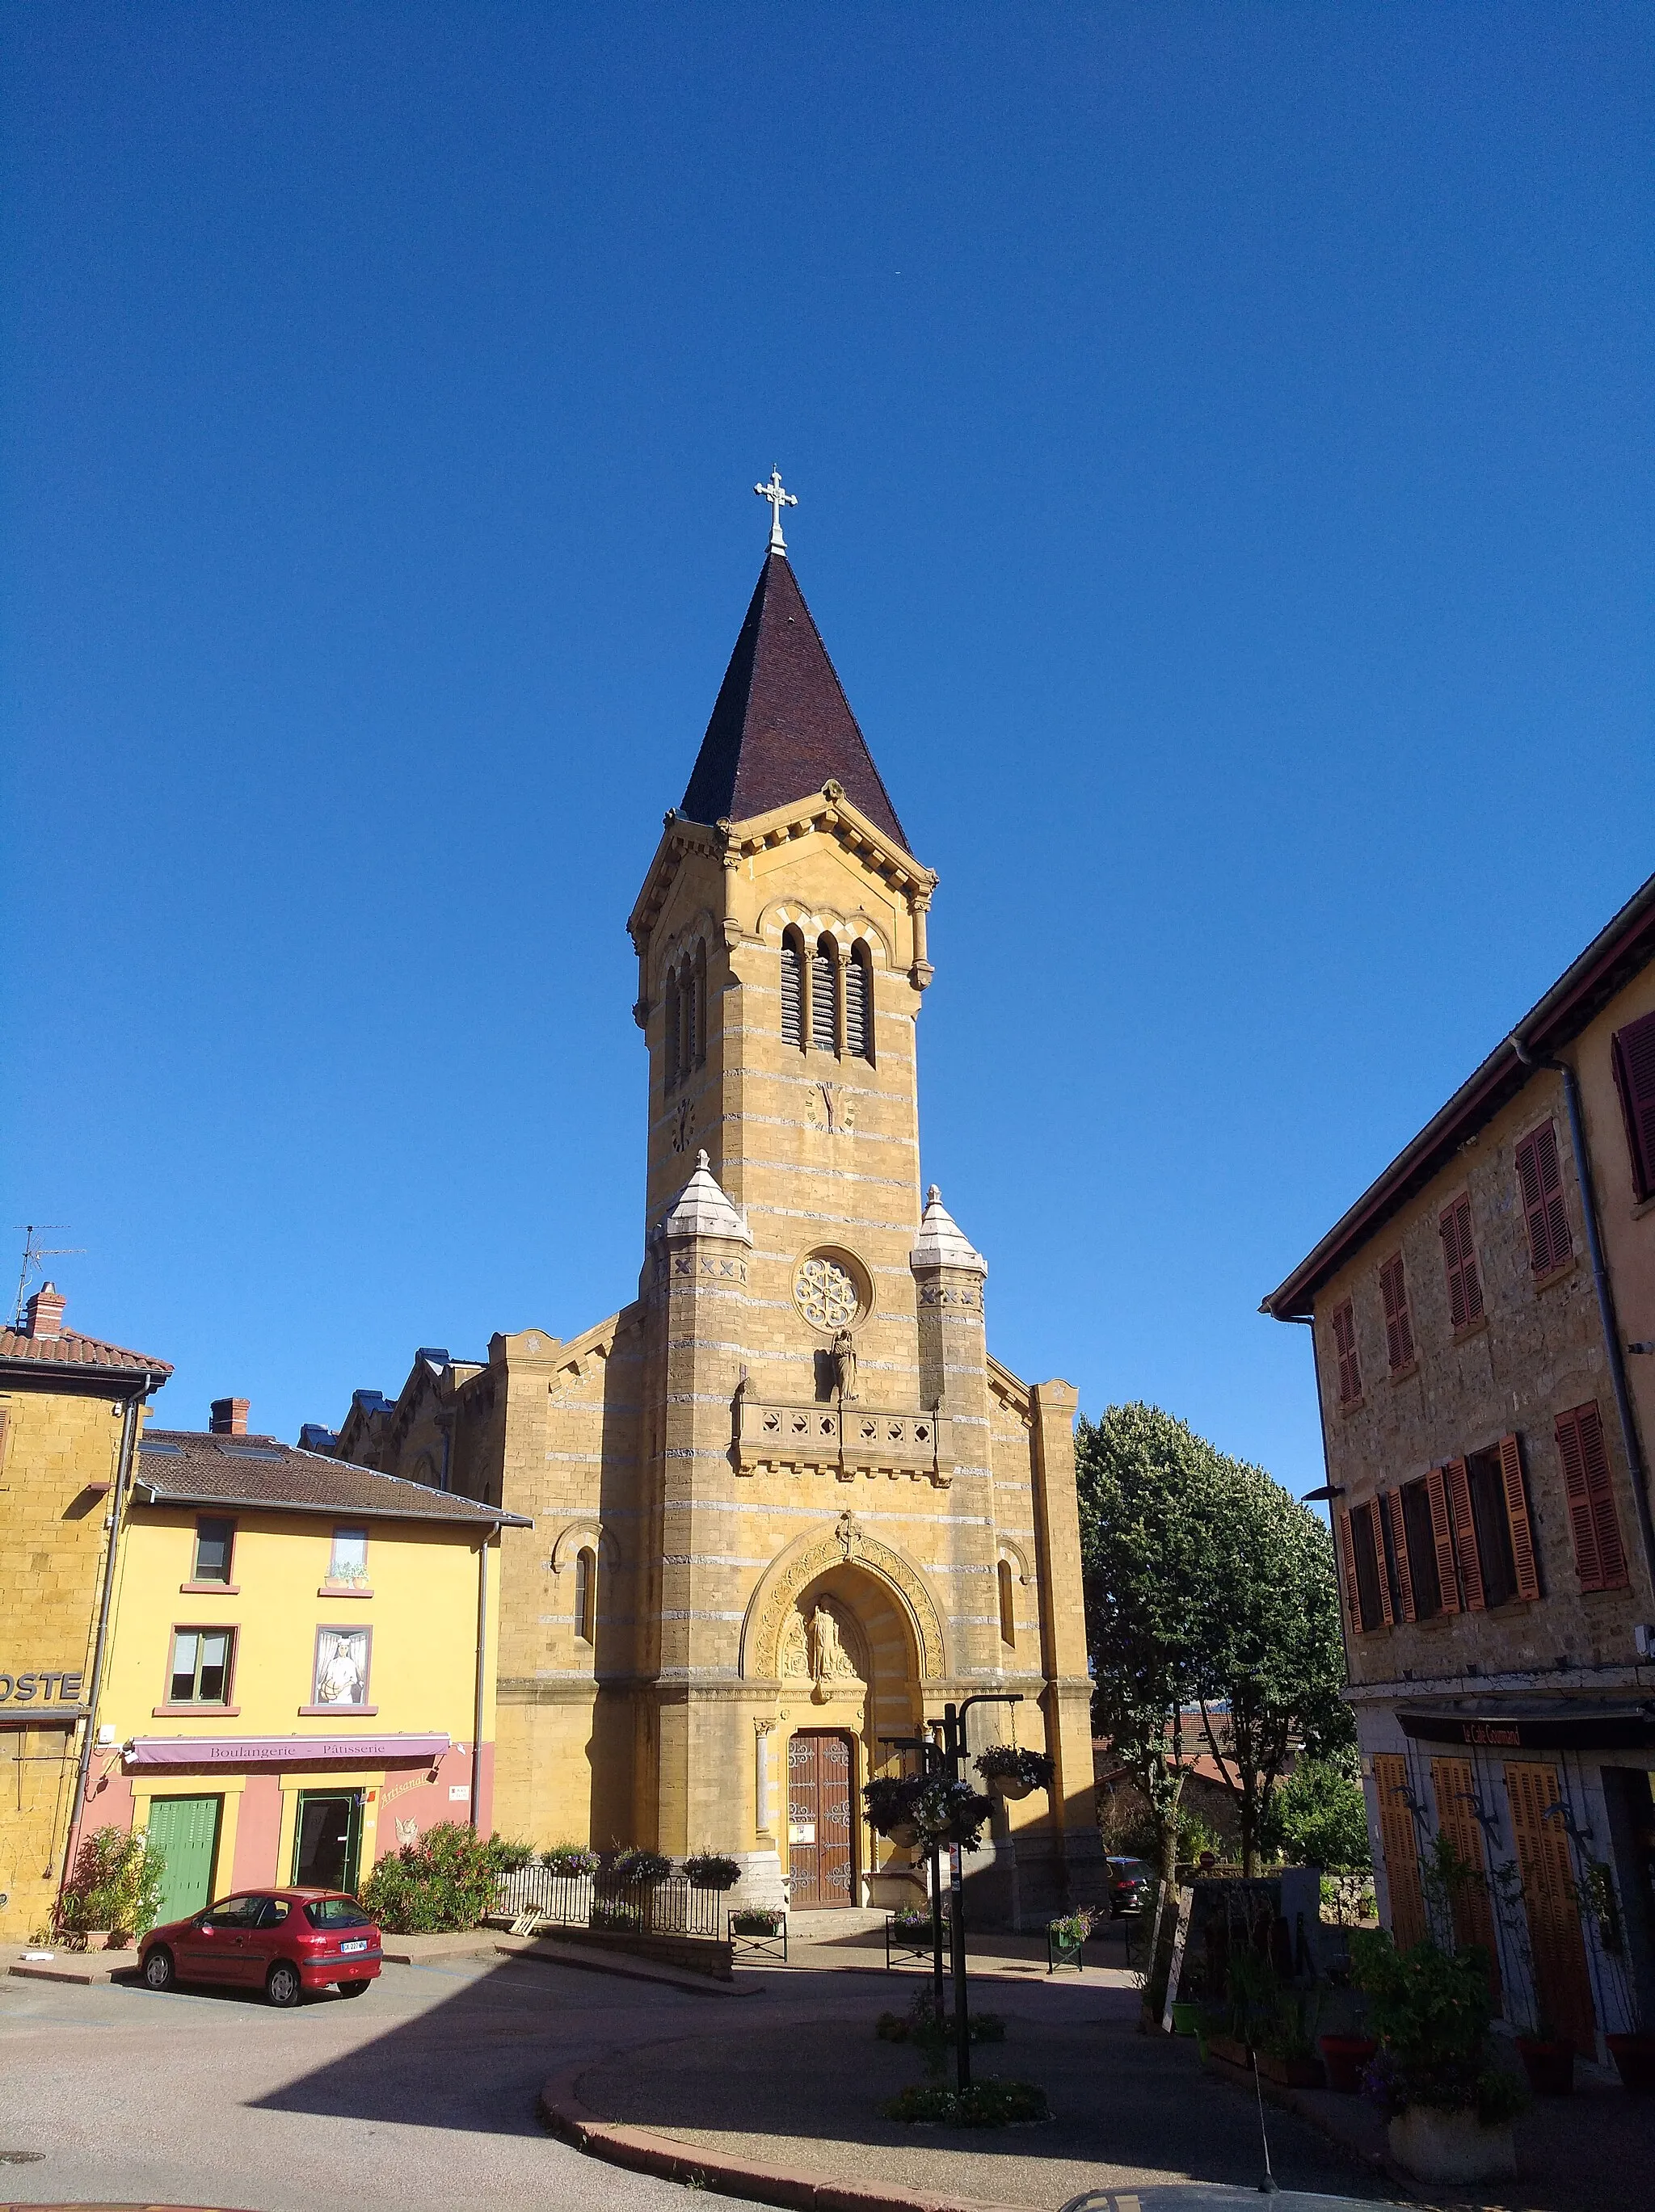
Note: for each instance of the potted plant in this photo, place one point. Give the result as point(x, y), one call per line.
point(890, 1801)
point(1011, 1773)
point(1632, 2049)
point(1346, 2058)
point(570, 1862)
point(1068, 1933)
point(711, 1870)
point(1451, 2106)
point(113, 1894)
point(756, 1920)
point(633, 1867)
point(1548, 2057)
point(912, 1922)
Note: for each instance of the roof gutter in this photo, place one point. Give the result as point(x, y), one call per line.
point(493, 1517)
point(1601, 1284)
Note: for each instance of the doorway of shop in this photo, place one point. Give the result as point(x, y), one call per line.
point(327, 1839)
point(184, 1830)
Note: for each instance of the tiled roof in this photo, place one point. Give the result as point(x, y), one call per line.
point(71, 1349)
point(185, 1467)
point(781, 726)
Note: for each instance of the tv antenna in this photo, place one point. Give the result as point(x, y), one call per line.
point(35, 1254)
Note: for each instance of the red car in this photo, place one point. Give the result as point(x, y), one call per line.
point(284, 1941)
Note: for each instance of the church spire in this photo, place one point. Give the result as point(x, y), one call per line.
point(781, 726)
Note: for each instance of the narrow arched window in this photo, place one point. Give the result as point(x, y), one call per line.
point(686, 1019)
point(859, 1002)
point(698, 992)
point(824, 996)
point(586, 1594)
point(670, 1044)
point(1007, 1607)
point(792, 990)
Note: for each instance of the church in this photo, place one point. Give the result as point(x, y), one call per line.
point(783, 1505)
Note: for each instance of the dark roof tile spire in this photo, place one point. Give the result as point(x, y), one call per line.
point(781, 726)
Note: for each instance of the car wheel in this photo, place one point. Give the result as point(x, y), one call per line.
point(282, 1985)
point(351, 1988)
point(158, 1972)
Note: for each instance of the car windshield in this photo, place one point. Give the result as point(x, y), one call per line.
point(336, 1912)
point(1130, 1871)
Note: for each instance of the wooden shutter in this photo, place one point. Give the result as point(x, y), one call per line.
point(1469, 1901)
point(1442, 1534)
point(1562, 1990)
point(1465, 1534)
point(1399, 1552)
point(1540, 1181)
point(1344, 1338)
point(1460, 1258)
point(1599, 1557)
point(1634, 1059)
point(1348, 1563)
point(1401, 1850)
point(1517, 1514)
point(793, 993)
point(1399, 1326)
point(1381, 1571)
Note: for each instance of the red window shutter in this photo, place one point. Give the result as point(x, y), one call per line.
point(1348, 1563)
point(1539, 1180)
point(1436, 1490)
point(1633, 1057)
point(1344, 1338)
point(1599, 1558)
point(1465, 1534)
point(1399, 1549)
point(1460, 1257)
point(1517, 1513)
point(1387, 1611)
point(1399, 1327)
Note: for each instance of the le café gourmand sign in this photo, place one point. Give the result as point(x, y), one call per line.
point(41, 1691)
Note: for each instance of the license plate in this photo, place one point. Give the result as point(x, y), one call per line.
point(360, 1944)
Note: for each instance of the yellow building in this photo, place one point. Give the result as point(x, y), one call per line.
point(785, 1503)
point(301, 1670)
point(70, 1408)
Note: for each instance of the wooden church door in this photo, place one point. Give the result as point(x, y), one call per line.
point(821, 1858)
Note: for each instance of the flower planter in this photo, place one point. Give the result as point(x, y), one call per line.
point(905, 1835)
point(1009, 1785)
point(1344, 2057)
point(1634, 2061)
point(1291, 2073)
point(1186, 2017)
point(1230, 2049)
point(1437, 2145)
point(1549, 2066)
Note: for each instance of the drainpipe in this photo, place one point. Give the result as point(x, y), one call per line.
point(482, 1662)
point(1605, 1296)
point(106, 1602)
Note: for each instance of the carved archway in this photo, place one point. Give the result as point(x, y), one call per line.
point(814, 1554)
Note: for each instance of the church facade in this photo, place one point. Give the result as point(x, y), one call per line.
point(784, 1503)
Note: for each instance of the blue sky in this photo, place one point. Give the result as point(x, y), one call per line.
point(1222, 441)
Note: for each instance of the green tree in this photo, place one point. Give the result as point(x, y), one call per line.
point(1318, 1818)
point(1148, 1488)
point(1272, 1657)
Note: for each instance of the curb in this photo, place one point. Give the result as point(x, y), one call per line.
point(644, 2151)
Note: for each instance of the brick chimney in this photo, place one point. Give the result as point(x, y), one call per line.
point(229, 1417)
point(46, 1311)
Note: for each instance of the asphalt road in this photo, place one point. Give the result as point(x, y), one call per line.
point(421, 2093)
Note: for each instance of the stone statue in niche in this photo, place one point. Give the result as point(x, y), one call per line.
point(830, 1660)
point(844, 1362)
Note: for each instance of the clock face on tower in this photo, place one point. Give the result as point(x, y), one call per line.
point(826, 1292)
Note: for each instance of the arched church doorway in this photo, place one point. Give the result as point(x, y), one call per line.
point(821, 1831)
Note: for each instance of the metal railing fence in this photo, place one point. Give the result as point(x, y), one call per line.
point(671, 1907)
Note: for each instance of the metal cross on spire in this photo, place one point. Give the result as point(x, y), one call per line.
point(778, 499)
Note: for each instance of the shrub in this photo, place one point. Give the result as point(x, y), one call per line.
point(1318, 1818)
point(116, 1883)
point(442, 1884)
point(990, 2104)
point(711, 1870)
point(1430, 2008)
point(570, 1861)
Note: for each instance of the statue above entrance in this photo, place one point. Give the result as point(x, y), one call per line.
point(823, 1644)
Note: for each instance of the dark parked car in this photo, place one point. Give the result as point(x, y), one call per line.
point(284, 1941)
point(1130, 1882)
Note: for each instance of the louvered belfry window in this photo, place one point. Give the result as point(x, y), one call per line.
point(670, 1049)
point(1539, 1180)
point(1344, 1343)
point(1459, 1257)
point(1399, 1326)
point(792, 990)
point(1633, 1056)
point(825, 997)
point(858, 1003)
point(1599, 1554)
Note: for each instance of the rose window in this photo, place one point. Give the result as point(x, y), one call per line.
point(826, 1294)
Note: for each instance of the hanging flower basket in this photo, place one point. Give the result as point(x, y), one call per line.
point(926, 1809)
point(712, 1870)
point(1011, 1773)
point(629, 1869)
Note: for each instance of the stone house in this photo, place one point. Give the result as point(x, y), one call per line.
point(1483, 1322)
point(71, 1408)
point(784, 1502)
